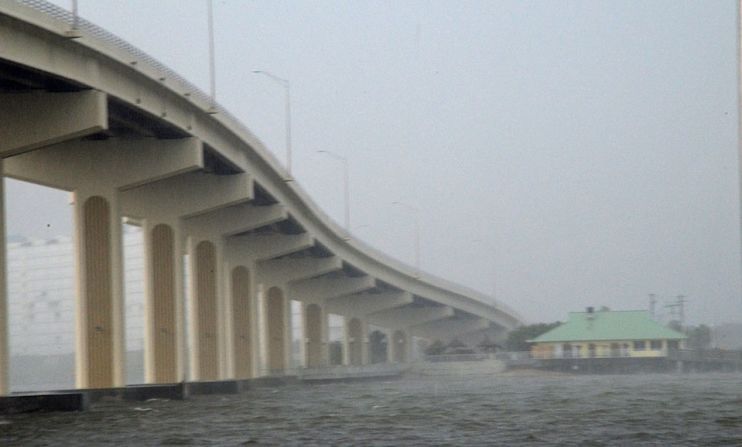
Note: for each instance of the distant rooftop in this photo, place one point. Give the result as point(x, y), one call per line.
point(605, 325)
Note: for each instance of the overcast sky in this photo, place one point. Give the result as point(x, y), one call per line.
point(565, 154)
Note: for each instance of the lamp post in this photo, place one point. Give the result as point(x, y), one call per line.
point(416, 215)
point(346, 183)
point(74, 31)
point(212, 63)
point(286, 85)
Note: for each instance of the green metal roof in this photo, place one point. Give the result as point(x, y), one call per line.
point(609, 325)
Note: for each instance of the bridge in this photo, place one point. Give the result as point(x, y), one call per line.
point(85, 112)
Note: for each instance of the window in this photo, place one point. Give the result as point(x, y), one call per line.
point(655, 345)
point(639, 345)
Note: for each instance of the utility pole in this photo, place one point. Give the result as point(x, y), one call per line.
point(652, 305)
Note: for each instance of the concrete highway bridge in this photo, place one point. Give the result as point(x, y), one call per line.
point(85, 112)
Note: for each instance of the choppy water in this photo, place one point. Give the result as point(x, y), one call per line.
point(697, 410)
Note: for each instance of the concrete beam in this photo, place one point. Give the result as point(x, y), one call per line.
point(325, 288)
point(237, 219)
point(187, 195)
point(287, 270)
point(262, 247)
point(32, 120)
point(362, 304)
point(451, 328)
point(102, 164)
point(407, 317)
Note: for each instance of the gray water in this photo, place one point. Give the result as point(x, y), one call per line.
point(631, 410)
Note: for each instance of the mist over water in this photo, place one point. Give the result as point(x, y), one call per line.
point(690, 409)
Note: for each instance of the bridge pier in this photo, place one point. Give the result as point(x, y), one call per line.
point(242, 322)
point(167, 221)
point(400, 346)
point(206, 303)
point(100, 317)
point(164, 315)
point(277, 335)
point(315, 336)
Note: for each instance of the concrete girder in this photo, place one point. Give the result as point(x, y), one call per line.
point(104, 164)
point(496, 334)
point(187, 195)
point(362, 304)
point(287, 270)
point(326, 288)
point(32, 120)
point(237, 219)
point(262, 247)
point(451, 328)
point(407, 317)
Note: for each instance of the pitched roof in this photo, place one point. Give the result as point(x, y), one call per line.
point(609, 325)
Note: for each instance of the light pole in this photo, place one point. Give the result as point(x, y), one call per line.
point(346, 183)
point(416, 215)
point(285, 83)
point(212, 63)
point(74, 31)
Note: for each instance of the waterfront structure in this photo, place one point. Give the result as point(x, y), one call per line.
point(607, 334)
point(85, 112)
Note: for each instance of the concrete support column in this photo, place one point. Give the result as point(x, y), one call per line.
point(242, 322)
point(100, 361)
point(164, 345)
point(207, 328)
point(315, 336)
point(400, 345)
point(4, 342)
point(276, 331)
point(356, 342)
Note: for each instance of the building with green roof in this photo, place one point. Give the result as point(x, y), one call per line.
point(607, 333)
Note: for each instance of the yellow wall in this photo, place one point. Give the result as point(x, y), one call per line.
point(602, 349)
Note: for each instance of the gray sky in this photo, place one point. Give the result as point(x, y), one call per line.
point(570, 153)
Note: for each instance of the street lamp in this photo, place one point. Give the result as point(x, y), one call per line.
point(416, 215)
point(212, 63)
point(346, 186)
point(74, 31)
point(286, 85)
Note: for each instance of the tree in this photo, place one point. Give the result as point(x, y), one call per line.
point(699, 337)
point(435, 348)
point(517, 338)
point(487, 345)
point(675, 326)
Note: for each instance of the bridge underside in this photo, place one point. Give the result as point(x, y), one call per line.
point(127, 145)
